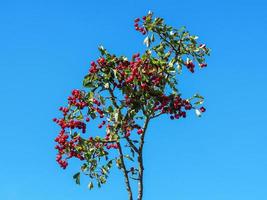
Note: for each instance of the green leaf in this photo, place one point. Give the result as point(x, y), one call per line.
point(110, 109)
point(102, 50)
point(90, 95)
point(102, 100)
point(80, 117)
point(179, 67)
point(93, 115)
point(84, 167)
point(199, 102)
point(87, 83)
point(104, 170)
point(147, 41)
point(90, 185)
point(99, 184)
point(198, 96)
point(77, 178)
point(152, 38)
point(118, 163)
point(106, 85)
point(109, 164)
point(102, 180)
point(129, 157)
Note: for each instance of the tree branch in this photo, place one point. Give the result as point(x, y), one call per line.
point(132, 145)
point(113, 98)
point(140, 161)
point(126, 177)
point(157, 115)
point(128, 139)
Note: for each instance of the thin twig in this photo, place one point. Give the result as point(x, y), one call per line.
point(113, 98)
point(132, 145)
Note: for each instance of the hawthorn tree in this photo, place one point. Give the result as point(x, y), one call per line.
point(122, 96)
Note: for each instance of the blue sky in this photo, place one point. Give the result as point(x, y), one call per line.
point(45, 50)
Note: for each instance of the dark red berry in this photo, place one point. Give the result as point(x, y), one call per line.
point(202, 109)
point(137, 20)
point(140, 131)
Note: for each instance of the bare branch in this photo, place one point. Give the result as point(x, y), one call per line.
point(126, 177)
point(132, 145)
point(140, 161)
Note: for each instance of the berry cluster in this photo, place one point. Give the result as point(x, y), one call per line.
point(174, 105)
point(190, 65)
point(72, 124)
point(114, 146)
point(64, 146)
point(77, 99)
point(93, 68)
point(138, 27)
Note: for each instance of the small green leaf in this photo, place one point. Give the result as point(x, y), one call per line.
point(102, 180)
point(199, 102)
point(128, 157)
point(198, 113)
point(90, 185)
point(106, 85)
point(109, 164)
point(102, 100)
point(104, 171)
point(147, 41)
point(198, 96)
point(80, 117)
point(90, 95)
point(77, 178)
point(93, 115)
point(84, 167)
point(118, 163)
point(152, 38)
point(110, 109)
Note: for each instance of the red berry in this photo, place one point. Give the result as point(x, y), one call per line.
point(93, 64)
point(143, 85)
point(140, 131)
point(202, 109)
point(203, 65)
point(137, 20)
point(127, 134)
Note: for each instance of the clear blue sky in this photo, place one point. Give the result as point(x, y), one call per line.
point(45, 50)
